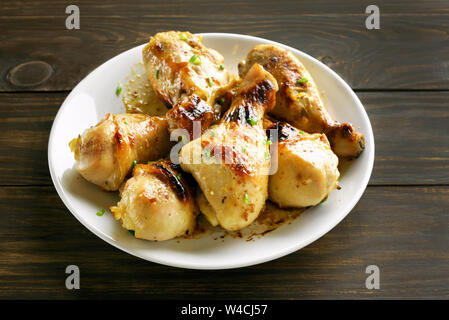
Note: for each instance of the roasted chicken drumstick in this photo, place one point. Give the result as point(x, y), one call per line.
point(156, 203)
point(298, 100)
point(234, 165)
point(106, 153)
point(179, 65)
point(306, 170)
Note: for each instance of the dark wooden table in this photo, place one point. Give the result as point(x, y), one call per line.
point(400, 73)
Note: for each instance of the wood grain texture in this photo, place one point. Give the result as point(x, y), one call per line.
point(218, 7)
point(389, 58)
point(26, 121)
point(406, 239)
point(410, 130)
point(411, 133)
point(399, 72)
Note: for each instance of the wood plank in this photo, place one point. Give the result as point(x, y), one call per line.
point(26, 121)
point(219, 7)
point(411, 134)
point(410, 129)
point(409, 51)
point(406, 239)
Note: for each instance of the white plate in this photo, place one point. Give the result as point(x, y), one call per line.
point(95, 96)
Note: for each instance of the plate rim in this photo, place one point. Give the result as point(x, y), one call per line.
point(278, 254)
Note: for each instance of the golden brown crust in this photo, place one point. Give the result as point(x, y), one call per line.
point(188, 111)
point(298, 100)
point(179, 65)
point(105, 153)
point(254, 96)
point(170, 174)
point(156, 203)
point(233, 174)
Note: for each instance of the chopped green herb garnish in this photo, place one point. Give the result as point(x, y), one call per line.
point(301, 132)
point(267, 142)
point(179, 176)
point(195, 60)
point(220, 101)
point(125, 122)
point(183, 37)
point(119, 88)
point(132, 232)
point(100, 213)
point(207, 153)
point(253, 121)
point(302, 80)
point(212, 133)
point(184, 139)
point(243, 149)
point(157, 74)
point(246, 198)
point(134, 163)
point(221, 67)
point(209, 80)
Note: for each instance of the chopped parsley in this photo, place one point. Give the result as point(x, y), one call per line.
point(220, 101)
point(253, 121)
point(212, 133)
point(267, 141)
point(183, 37)
point(246, 198)
point(221, 67)
point(134, 163)
point(101, 212)
point(207, 153)
point(125, 122)
point(195, 60)
point(301, 132)
point(157, 74)
point(119, 88)
point(179, 176)
point(302, 80)
point(209, 81)
point(243, 149)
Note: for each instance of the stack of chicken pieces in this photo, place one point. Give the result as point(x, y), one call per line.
point(226, 146)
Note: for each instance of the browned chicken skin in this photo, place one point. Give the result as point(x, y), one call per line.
point(106, 153)
point(233, 170)
point(307, 168)
point(156, 203)
point(298, 100)
point(179, 65)
point(187, 112)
